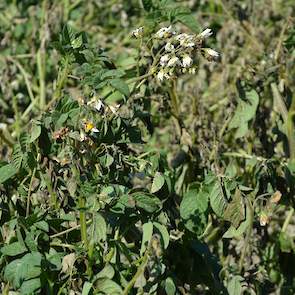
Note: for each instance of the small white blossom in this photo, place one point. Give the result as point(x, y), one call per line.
point(3, 126)
point(185, 40)
point(137, 33)
point(114, 109)
point(206, 33)
point(162, 75)
point(173, 61)
point(192, 70)
point(164, 59)
point(187, 61)
point(94, 130)
point(169, 47)
point(165, 32)
point(99, 105)
point(211, 52)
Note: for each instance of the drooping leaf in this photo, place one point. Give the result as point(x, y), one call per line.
point(235, 211)
point(98, 228)
point(158, 182)
point(147, 202)
point(147, 232)
point(7, 172)
point(245, 112)
point(121, 86)
point(217, 200)
point(164, 234)
point(107, 286)
point(13, 249)
point(35, 132)
point(234, 286)
point(170, 286)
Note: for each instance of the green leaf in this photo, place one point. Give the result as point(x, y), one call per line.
point(189, 20)
point(147, 232)
point(170, 288)
point(13, 249)
point(234, 286)
point(245, 111)
point(35, 132)
point(108, 287)
point(158, 182)
point(235, 211)
point(232, 232)
point(164, 234)
point(86, 288)
point(19, 270)
point(30, 286)
point(193, 202)
point(147, 202)
point(98, 228)
point(6, 172)
point(121, 86)
point(217, 200)
point(107, 272)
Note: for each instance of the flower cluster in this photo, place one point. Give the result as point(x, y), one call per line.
point(178, 51)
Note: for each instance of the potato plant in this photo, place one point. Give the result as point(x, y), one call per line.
point(147, 147)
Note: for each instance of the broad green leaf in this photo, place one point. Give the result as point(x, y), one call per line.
point(147, 232)
point(235, 211)
point(193, 202)
point(164, 234)
point(98, 228)
point(107, 272)
point(234, 286)
point(245, 112)
point(217, 200)
point(35, 132)
point(6, 172)
point(158, 182)
point(28, 267)
point(108, 287)
point(147, 202)
point(86, 288)
point(121, 86)
point(170, 288)
point(189, 20)
point(13, 249)
point(29, 287)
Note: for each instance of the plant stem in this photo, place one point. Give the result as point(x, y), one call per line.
point(139, 272)
point(287, 220)
point(29, 192)
point(83, 221)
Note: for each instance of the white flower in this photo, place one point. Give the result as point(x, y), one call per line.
point(114, 109)
point(3, 126)
point(162, 75)
point(99, 105)
point(192, 70)
point(164, 59)
point(187, 61)
point(173, 61)
point(185, 40)
point(169, 47)
point(137, 33)
point(206, 33)
point(165, 32)
point(211, 52)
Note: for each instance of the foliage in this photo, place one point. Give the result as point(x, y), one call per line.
point(136, 159)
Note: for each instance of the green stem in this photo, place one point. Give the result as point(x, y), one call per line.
point(29, 193)
point(138, 273)
point(287, 220)
point(83, 221)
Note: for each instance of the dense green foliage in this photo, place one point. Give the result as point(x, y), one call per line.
point(136, 159)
